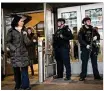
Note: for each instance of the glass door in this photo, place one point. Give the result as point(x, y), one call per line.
point(95, 12)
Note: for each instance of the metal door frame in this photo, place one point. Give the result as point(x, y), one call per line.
point(46, 53)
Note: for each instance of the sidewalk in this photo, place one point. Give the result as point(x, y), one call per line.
point(59, 84)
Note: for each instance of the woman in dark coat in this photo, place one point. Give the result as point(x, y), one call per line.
point(17, 41)
point(31, 48)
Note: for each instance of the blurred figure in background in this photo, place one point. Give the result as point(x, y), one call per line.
point(31, 48)
point(75, 42)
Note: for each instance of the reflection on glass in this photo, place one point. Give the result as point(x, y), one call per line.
point(7, 28)
point(71, 18)
point(96, 17)
point(8, 21)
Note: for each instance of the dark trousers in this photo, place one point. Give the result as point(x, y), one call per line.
point(62, 57)
point(85, 57)
point(2, 74)
point(75, 51)
point(21, 77)
point(31, 66)
point(32, 70)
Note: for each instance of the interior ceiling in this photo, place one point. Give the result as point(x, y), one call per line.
point(61, 5)
point(22, 7)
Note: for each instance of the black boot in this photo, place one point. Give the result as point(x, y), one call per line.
point(29, 88)
point(16, 88)
point(98, 78)
point(56, 77)
point(81, 79)
point(66, 79)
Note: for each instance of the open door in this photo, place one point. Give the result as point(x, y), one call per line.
point(7, 26)
point(2, 43)
point(49, 62)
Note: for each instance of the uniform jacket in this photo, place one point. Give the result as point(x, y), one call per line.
point(62, 42)
point(85, 36)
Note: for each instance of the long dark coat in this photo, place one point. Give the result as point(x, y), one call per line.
point(31, 48)
point(17, 43)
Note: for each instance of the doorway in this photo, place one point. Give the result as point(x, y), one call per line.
point(37, 25)
point(73, 16)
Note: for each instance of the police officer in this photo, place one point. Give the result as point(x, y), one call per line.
point(88, 38)
point(61, 49)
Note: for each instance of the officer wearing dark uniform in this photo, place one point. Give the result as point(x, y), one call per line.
point(61, 49)
point(88, 38)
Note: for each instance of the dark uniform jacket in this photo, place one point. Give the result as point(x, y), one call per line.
point(62, 42)
point(85, 36)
